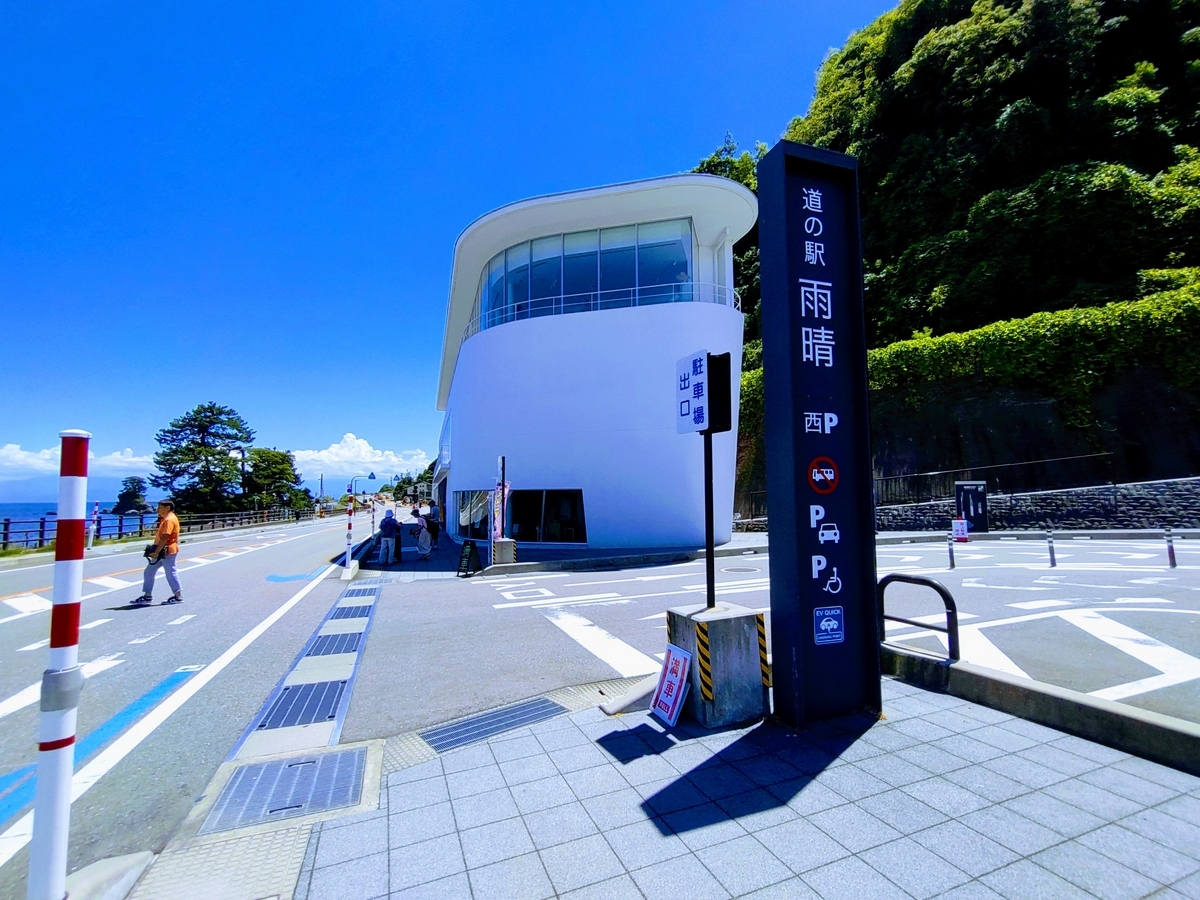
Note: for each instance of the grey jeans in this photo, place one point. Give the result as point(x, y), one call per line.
point(387, 549)
point(167, 564)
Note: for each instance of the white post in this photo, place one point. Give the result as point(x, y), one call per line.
point(61, 682)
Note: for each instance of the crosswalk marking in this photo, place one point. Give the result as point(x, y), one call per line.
point(146, 639)
point(1039, 604)
point(180, 620)
point(30, 695)
point(36, 645)
point(627, 660)
point(110, 582)
point(28, 603)
point(93, 624)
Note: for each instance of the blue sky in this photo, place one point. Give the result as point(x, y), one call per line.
point(257, 205)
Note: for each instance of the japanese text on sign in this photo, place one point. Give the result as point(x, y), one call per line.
point(672, 685)
point(691, 392)
point(816, 297)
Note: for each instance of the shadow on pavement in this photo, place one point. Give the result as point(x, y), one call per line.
point(740, 772)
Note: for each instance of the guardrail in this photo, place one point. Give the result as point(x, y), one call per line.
point(645, 295)
point(40, 532)
point(951, 627)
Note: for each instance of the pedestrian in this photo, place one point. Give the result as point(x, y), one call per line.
point(387, 538)
point(424, 542)
point(434, 520)
point(162, 554)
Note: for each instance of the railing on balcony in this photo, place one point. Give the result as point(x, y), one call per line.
point(687, 292)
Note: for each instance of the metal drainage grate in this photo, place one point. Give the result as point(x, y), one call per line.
point(285, 788)
point(481, 727)
point(329, 644)
point(351, 612)
point(304, 704)
point(359, 592)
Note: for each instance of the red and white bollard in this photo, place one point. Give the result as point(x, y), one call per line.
point(61, 682)
point(349, 529)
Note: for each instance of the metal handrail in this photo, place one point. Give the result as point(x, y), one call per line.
point(951, 628)
point(645, 295)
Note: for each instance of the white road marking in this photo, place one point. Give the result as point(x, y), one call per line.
point(627, 660)
point(1039, 604)
point(1154, 580)
point(529, 593)
point(974, 583)
point(36, 645)
point(626, 580)
point(94, 624)
point(146, 639)
point(978, 650)
point(1176, 666)
point(18, 835)
point(31, 694)
point(1137, 600)
point(934, 619)
point(29, 603)
point(551, 600)
point(180, 620)
point(107, 581)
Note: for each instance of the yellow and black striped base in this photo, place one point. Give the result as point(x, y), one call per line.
point(703, 657)
point(762, 650)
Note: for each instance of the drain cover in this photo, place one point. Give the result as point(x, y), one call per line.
point(285, 788)
point(304, 704)
point(740, 570)
point(360, 592)
point(329, 644)
point(351, 612)
point(481, 727)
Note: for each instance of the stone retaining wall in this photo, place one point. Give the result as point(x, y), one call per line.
point(1148, 504)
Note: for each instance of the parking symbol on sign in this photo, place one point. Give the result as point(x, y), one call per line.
point(828, 625)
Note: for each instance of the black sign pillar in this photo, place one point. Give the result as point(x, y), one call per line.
point(970, 500)
point(825, 656)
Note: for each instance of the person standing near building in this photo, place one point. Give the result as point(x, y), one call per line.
point(434, 521)
point(162, 554)
point(424, 542)
point(387, 538)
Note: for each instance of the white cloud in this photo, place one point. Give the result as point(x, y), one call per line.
point(16, 463)
point(355, 456)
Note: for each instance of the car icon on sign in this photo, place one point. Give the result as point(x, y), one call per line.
point(828, 532)
point(829, 624)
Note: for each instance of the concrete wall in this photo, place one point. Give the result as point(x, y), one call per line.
point(1152, 504)
point(585, 401)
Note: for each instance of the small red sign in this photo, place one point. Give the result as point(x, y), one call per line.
point(823, 475)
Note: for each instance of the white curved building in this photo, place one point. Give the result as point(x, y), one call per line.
point(567, 314)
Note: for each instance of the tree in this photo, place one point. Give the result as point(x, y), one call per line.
point(271, 480)
point(197, 461)
point(1014, 155)
point(132, 497)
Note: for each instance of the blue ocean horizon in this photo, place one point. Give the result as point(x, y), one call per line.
point(37, 510)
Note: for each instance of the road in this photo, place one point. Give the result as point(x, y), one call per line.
point(1111, 618)
point(135, 657)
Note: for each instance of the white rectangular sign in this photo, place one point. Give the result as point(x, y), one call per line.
point(691, 393)
point(672, 685)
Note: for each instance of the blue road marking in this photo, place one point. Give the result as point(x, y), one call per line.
point(25, 778)
point(309, 577)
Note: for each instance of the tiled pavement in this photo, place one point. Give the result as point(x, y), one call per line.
point(941, 799)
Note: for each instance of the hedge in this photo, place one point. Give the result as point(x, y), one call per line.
point(1068, 355)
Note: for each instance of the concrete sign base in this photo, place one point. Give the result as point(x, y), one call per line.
point(727, 681)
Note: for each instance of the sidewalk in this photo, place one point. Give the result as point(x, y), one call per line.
point(940, 798)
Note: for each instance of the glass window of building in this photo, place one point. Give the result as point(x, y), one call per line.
point(664, 261)
point(495, 291)
point(618, 265)
point(525, 510)
point(516, 281)
point(545, 275)
point(473, 514)
point(580, 267)
point(562, 518)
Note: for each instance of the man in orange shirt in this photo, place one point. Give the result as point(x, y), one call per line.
point(162, 553)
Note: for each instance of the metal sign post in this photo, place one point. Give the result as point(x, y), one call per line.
point(703, 403)
point(819, 478)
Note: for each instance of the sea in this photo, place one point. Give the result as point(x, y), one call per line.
point(24, 527)
point(37, 510)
